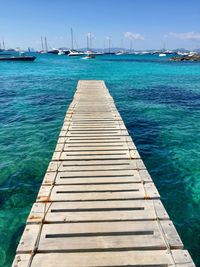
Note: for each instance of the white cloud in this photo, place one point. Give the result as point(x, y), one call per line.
point(192, 36)
point(133, 36)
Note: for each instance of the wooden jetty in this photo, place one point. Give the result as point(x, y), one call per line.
point(98, 205)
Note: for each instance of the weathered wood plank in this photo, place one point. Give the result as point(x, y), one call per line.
point(93, 140)
point(93, 147)
point(133, 164)
point(94, 180)
point(96, 155)
point(22, 260)
point(28, 239)
point(129, 210)
point(97, 192)
point(113, 259)
point(95, 236)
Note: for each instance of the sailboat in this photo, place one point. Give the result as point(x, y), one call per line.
point(42, 46)
point(89, 53)
point(163, 53)
point(109, 48)
point(73, 52)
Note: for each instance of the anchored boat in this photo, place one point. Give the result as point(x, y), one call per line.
point(74, 53)
point(20, 58)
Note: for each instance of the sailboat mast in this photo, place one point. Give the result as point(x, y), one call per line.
point(46, 46)
point(90, 41)
point(87, 42)
point(72, 39)
point(3, 45)
point(42, 43)
point(164, 46)
point(131, 45)
point(122, 44)
point(109, 45)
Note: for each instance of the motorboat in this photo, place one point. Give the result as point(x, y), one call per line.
point(53, 51)
point(42, 52)
point(89, 52)
point(109, 53)
point(119, 53)
point(74, 53)
point(162, 55)
point(144, 53)
point(66, 52)
point(99, 53)
point(19, 58)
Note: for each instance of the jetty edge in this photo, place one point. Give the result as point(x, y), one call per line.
point(97, 205)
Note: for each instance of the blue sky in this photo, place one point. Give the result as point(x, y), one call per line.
point(149, 24)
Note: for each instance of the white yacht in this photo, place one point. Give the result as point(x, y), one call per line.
point(74, 53)
point(144, 53)
point(119, 53)
point(162, 55)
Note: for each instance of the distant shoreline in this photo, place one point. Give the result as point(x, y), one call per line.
point(186, 58)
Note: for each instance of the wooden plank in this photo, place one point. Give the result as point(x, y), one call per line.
point(91, 124)
point(90, 127)
point(112, 259)
point(171, 235)
point(94, 237)
point(94, 165)
point(87, 140)
point(129, 210)
point(96, 147)
point(94, 180)
point(182, 258)
point(80, 181)
point(91, 177)
point(93, 146)
point(99, 173)
point(99, 236)
point(97, 192)
point(28, 239)
point(95, 133)
point(22, 260)
point(135, 187)
point(132, 164)
point(66, 156)
point(96, 155)
point(95, 216)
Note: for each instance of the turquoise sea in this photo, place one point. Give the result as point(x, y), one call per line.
point(159, 102)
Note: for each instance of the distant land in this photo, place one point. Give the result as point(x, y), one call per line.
point(115, 49)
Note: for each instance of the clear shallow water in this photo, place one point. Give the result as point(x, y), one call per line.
point(159, 102)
